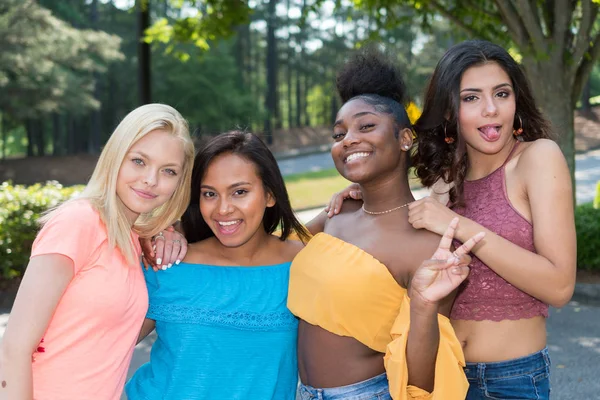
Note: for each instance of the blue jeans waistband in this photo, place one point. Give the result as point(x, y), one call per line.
point(378, 385)
point(502, 369)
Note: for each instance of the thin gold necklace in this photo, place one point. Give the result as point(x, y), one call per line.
point(384, 212)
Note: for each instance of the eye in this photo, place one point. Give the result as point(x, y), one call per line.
point(240, 192)
point(138, 161)
point(338, 136)
point(171, 171)
point(365, 127)
point(503, 94)
point(470, 98)
point(208, 194)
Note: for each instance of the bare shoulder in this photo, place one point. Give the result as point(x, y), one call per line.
point(540, 152)
point(291, 247)
point(202, 252)
point(416, 246)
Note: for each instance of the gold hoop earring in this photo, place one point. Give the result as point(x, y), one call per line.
point(447, 138)
point(518, 132)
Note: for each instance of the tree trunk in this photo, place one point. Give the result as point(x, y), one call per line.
point(586, 106)
point(298, 97)
point(29, 131)
point(288, 71)
point(558, 109)
point(143, 14)
point(271, 95)
point(96, 120)
point(56, 135)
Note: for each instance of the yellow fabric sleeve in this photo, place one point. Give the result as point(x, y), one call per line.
point(450, 381)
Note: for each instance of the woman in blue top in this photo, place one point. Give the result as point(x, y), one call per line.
point(224, 331)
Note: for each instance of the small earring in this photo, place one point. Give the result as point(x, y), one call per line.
point(447, 139)
point(518, 132)
point(406, 147)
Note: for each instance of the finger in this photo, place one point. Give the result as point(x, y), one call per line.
point(469, 244)
point(332, 203)
point(448, 236)
point(463, 259)
point(146, 245)
point(182, 251)
point(437, 265)
point(167, 251)
point(356, 194)
point(461, 272)
point(170, 228)
point(337, 207)
point(172, 256)
point(159, 243)
point(416, 203)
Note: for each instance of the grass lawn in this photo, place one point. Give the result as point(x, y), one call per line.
point(314, 189)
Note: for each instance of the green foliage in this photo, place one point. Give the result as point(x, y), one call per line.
point(597, 197)
point(587, 222)
point(46, 65)
point(20, 207)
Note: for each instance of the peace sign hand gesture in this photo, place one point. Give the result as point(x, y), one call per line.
point(437, 277)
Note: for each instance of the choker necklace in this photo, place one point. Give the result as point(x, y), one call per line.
point(384, 212)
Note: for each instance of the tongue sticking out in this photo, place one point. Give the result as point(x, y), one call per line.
point(490, 132)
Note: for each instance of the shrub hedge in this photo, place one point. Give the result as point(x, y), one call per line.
point(20, 207)
point(587, 222)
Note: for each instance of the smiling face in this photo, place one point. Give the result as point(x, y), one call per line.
point(365, 144)
point(150, 173)
point(487, 108)
point(233, 199)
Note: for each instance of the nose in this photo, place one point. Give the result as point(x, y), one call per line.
point(350, 138)
point(491, 109)
point(150, 178)
point(225, 206)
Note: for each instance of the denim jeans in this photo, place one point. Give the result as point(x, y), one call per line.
point(522, 378)
point(375, 388)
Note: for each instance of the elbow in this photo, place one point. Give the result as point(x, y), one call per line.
point(562, 296)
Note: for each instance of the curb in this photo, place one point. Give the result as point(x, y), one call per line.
point(304, 151)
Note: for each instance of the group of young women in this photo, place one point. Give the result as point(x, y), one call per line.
point(377, 298)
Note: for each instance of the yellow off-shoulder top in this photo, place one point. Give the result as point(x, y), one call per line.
point(345, 290)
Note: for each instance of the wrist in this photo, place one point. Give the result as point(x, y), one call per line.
point(422, 306)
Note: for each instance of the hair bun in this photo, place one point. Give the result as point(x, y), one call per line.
point(371, 71)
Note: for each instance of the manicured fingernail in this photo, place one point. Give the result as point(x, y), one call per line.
point(170, 265)
point(159, 261)
point(177, 262)
point(164, 267)
point(335, 210)
point(456, 270)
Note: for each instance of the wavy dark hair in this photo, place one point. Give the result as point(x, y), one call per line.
point(372, 76)
point(435, 159)
point(253, 149)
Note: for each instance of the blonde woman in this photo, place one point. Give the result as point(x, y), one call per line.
point(83, 298)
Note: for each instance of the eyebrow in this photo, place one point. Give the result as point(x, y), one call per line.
point(237, 184)
point(144, 155)
point(357, 115)
point(479, 90)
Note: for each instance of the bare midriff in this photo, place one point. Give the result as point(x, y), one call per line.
point(328, 360)
point(491, 341)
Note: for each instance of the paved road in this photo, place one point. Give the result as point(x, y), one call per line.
point(587, 170)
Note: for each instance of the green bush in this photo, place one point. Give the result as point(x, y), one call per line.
point(20, 207)
point(587, 222)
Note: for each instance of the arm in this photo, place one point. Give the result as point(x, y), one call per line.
point(431, 284)
point(147, 328)
point(44, 282)
point(550, 273)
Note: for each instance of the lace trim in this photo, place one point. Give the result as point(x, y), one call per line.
point(268, 321)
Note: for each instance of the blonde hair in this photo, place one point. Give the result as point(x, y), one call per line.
point(101, 190)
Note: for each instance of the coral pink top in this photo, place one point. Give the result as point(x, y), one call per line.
point(485, 295)
point(90, 339)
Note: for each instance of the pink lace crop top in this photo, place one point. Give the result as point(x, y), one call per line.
point(485, 295)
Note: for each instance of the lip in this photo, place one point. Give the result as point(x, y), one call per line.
point(356, 152)
point(228, 230)
point(145, 195)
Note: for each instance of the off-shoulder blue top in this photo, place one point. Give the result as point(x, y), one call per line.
point(222, 333)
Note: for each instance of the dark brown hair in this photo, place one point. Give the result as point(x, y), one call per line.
point(435, 159)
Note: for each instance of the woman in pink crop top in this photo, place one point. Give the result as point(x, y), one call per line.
point(483, 148)
point(83, 298)
point(482, 133)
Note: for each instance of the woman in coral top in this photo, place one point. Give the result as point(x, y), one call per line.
point(83, 298)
